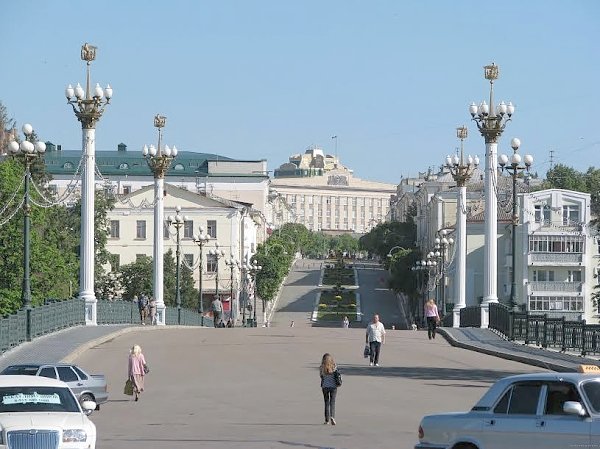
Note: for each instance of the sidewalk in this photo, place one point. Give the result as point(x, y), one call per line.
point(488, 342)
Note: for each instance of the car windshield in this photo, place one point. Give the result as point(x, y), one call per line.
point(592, 391)
point(37, 399)
point(21, 369)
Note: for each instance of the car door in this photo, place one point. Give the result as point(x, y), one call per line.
point(556, 428)
point(513, 420)
point(69, 376)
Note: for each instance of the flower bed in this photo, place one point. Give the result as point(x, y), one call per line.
point(341, 276)
point(334, 305)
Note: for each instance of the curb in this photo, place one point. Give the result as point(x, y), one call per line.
point(504, 355)
point(98, 341)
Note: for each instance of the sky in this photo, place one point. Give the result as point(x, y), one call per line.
point(265, 79)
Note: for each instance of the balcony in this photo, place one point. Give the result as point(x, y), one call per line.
point(555, 286)
point(555, 258)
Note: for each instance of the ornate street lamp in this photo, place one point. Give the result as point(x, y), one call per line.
point(491, 122)
point(218, 254)
point(159, 159)
point(442, 243)
point(232, 264)
point(88, 107)
point(513, 168)
point(201, 240)
point(461, 171)
point(27, 152)
point(420, 267)
point(253, 270)
point(178, 221)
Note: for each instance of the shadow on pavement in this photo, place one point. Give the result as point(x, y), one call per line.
point(430, 373)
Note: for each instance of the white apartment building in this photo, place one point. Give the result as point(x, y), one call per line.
point(235, 226)
point(315, 190)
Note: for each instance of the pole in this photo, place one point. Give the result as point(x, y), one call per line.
point(158, 249)
point(461, 260)
point(217, 279)
point(200, 298)
point(26, 252)
point(513, 288)
point(254, 291)
point(244, 292)
point(177, 274)
point(231, 295)
point(443, 286)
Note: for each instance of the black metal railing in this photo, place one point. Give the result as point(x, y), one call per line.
point(545, 331)
point(448, 320)
point(470, 316)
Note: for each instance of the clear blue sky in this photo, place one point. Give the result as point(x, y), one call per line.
point(267, 78)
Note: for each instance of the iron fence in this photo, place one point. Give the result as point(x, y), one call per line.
point(545, 331)
point(470, 316)
point(117, 312)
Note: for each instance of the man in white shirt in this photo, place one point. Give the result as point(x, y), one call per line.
point(375, 338)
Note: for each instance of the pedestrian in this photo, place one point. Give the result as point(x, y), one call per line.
point(346, 323)
point(143, 308)
point(152, 308)
point(432, 316)
point(137, 370)
point(375, 338)
point(331, 379)
point(217, 310)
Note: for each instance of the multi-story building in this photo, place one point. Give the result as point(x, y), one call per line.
point(315, 190)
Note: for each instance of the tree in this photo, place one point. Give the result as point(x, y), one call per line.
point(136, 277)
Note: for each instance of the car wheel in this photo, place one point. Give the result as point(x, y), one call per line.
point(464, 446)
point(86, 397)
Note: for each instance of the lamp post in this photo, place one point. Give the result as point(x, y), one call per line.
point(442, 243)
point(159, 159)
point(253, 270)
point(420, 267)
point(88, 107)
point(27, 152)
point(461, 171)
point(491, 123)
point(178, 221)
point(232, 264)
point(201, 240)
point(217, 254)
point(513, 169)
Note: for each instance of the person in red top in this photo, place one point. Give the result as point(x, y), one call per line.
point(137, 370)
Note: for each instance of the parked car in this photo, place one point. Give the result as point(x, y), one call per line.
point(549, 410)
point(42, 413)
point(86, 387)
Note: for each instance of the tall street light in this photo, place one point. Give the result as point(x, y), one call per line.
point(178, 221)
point(461, 171)
point(232, 264)
point(442, 243)
point(218, 254)
point(27, 152)
point(420, 267)
point(201, 240)
point(88, 107)
point(491, 122)
point(159, 159)
point(253, 269)
point(513, 168)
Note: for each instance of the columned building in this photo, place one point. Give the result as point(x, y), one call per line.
point(316, 190)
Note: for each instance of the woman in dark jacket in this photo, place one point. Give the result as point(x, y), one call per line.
point(330, 378)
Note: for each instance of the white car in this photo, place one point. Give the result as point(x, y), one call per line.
point(41, 413)
point(549, 410)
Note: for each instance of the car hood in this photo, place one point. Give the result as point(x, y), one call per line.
point(15, 421)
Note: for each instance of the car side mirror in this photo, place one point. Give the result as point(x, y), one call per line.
point(574, 408)
point(88, 406)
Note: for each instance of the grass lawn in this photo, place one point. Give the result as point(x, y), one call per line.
point(343, 276)
point(334, 309)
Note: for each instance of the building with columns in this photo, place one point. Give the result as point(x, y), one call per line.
point(316, 190)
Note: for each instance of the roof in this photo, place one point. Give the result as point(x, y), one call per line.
point(30, 381)
point(133, 163)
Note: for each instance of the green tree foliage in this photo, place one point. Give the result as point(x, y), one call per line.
point(136, 277)
point(385, 236)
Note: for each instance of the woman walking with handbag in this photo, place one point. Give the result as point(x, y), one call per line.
point(331, 379)
point(137, 370)
point(433, 318)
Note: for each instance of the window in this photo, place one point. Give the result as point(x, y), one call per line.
point(126, 190)
point(543, 275)
point(521, 399)
point(556, 303)
point(556, 244)
point(211, 228)
point(66, 374)
point(557, 394)
point(166, 232)
point(188, 229)
point(574, 276)
point(211, 263)
point(80, 373)
point(48, 372)
point(188, 260)
point(140, 232)
point(114, 229)
point(570, 215)
point(542, 213)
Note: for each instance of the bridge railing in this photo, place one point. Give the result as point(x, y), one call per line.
point(545, 331)
point(470, 316)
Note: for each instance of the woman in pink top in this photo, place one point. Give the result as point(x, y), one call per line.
point(137, 364)
point(432, 316)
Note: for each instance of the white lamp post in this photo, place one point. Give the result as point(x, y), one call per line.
point(232, 264)
point(491, 122)
point(201, 240)
point(178, 221)
point(461, 170)
point(88, 106)
point(159, 159)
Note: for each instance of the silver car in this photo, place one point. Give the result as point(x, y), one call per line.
point(86, 387)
